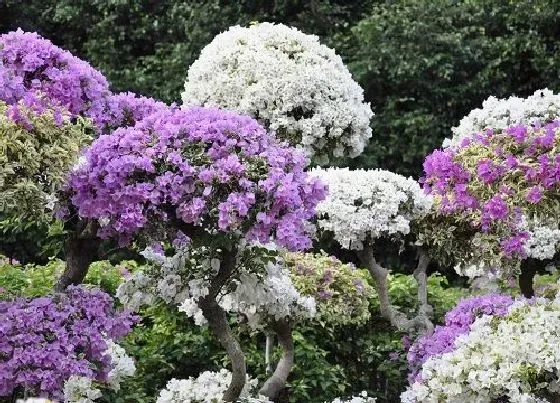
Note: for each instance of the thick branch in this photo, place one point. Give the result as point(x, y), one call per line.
point(82, 248)
point(528, 271)
point(218, 323)
point(425, 310)
point(277, 381)
point(389, 312)
point(268, 352)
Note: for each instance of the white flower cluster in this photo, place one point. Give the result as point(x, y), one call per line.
point(80, 389)
point(517, 357)
point(544, 237)
point(288, 80)
point(498, 114)
point(273, 296)
point(123, 365)
point(209, 387)
point(34, 400)
point(372, 203)
point(257, 296)
point(363, 398)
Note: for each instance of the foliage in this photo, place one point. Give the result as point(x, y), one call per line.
point(37, 147)
point(340, 290)
point(424, 64)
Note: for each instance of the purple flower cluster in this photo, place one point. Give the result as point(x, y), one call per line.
point(31, 64)
point(44, 341)
point(458, 321)
point(197, 166)
point(493, 193)
point(125, 109)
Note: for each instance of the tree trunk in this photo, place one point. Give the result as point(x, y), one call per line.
point(396, 318)
point(277, 381)
point(217, 320)
point(528, 271)
point(82, 248)
point(218, 323)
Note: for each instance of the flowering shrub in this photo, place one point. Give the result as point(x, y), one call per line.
point(299, 88)
point(458, 321)
point(196, 167)
point(340, 290)
point(366, 205)
point(30, 63)
point(497, 114)
point(493, 194)
point(363, 398)
point(514, 356)
point(46, 340)
point(38, 145)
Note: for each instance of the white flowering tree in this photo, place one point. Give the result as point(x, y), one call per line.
point(299, 88)
point(364, 206)
point(270, 292)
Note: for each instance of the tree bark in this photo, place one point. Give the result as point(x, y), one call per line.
point(268, 352)
point(528, 271)
point(218, 323)
point(395, 317)
point(277, 381)
point(82, 248)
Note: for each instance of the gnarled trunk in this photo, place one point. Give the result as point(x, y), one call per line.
point(528, 271)
point(277, 381)
point(218, 323)
point(389, 312)
point(82, 248)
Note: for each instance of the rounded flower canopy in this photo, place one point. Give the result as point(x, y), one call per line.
point(299, 88)
point(30, 63)
point(196, 167)
point(496, 198)
point(542, 106)
point(365, 205)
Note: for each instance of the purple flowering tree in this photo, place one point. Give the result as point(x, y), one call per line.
point(496, 201)
point(210, 175)
point(45, 341)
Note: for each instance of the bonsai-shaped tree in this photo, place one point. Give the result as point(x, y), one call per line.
point(495, 200)
point(297, 87)
point(363, 207)
point(202, 177)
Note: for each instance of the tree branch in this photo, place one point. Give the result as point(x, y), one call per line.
point(277, 381)
point(218, 323)
point(398, 319)
point(528, 271)
point(268, 352)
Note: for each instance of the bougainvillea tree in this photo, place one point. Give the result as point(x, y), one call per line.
point(296, 86)
point(365, 206)
point(204, 178)
point(61, 347)
point(496, 202)
point(508, 353)
point(272, 293)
